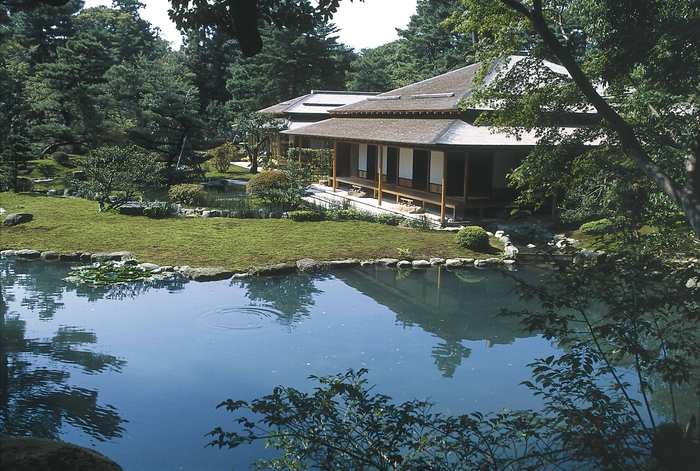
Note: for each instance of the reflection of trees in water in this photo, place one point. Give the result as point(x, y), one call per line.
point(42, 293)
point(289, 295)
point(448, 356)
point(129, 290)
point(35, 396)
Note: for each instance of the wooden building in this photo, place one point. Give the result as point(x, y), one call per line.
point(417, 144)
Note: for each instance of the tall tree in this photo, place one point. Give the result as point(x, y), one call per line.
point(427, 47)
point(646, 54)
point(291, 64)
point(240, 18)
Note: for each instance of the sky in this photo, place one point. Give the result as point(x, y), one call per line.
point(362, 25)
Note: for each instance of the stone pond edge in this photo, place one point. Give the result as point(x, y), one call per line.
point(305, 265)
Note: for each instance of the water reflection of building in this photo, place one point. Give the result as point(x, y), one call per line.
point(455, 306)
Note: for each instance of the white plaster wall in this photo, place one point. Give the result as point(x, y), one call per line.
point(437, 162)
point(362, 158)
point(406, 163)
point(381, 150)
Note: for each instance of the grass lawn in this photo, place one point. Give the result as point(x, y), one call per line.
point(74, 225)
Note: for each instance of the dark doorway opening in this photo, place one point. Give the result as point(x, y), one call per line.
point(392, 164)
point(421, 162)
point(372, 163)
point(454, 180)
point(480, 182)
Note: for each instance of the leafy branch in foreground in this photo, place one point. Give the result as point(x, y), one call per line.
point(624, 323)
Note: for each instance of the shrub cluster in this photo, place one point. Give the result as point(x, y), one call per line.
point(188, 194)
point(599, 227)
point(222, 156)
point(270, 185)
point(305, 215)
point(345, 215)
point(61, 158)
point(473, 237)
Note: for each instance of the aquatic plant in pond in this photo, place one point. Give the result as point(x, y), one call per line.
point(109, 272)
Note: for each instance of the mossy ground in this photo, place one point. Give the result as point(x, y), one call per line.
point(68, 225)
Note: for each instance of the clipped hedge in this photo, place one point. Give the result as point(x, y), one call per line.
point(188, 194)
point(305, 215)
point(473, 237)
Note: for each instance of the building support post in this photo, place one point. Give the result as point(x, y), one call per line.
point(335, 165)
point(442, 203)
point(381, 176)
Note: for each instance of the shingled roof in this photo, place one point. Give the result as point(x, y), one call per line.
point(441, 93)
point(410, 131)
point(318, 102)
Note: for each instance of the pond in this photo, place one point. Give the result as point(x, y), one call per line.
point(135, 371)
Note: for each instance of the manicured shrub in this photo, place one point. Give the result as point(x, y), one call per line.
point(221, 157)
point(24, 184)
point(473, 237)
point(420, 223)
point(388, 219)
point(61, 158)
point(601, 226)
point(271, 185)
point(188, 194)
point(305, 215)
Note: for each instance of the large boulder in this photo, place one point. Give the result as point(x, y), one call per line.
point(206, 274)
point(272, 270)
point(49, 455)
point(309, 265)
point(13, 219)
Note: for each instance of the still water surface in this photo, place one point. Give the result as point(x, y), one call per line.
point(136, 371)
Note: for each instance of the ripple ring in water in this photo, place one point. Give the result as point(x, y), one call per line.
point(240, 318)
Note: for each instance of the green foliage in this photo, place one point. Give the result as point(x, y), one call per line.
point(389, 219)
point(188, 194)
point(596, 393)
point(109, 272)
point(156, 209)
point(254, 131)
point(305, 215)
point(283, 188)
point(222, 156)
point(599, 227)
point(113, 175)
point(61, 158)
point(473, 237)
point(639, 50)
point(319, 162)
point(46, 169)
point(26, 454)
point(24, 184)
point(292, 62)
point(268, 185)
point(421, 222)
point(405, 254)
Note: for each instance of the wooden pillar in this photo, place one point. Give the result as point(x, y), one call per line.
point(279, 146)
point(300, 150)
point(335, 165)
point(442, 203)
point(381, 176)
